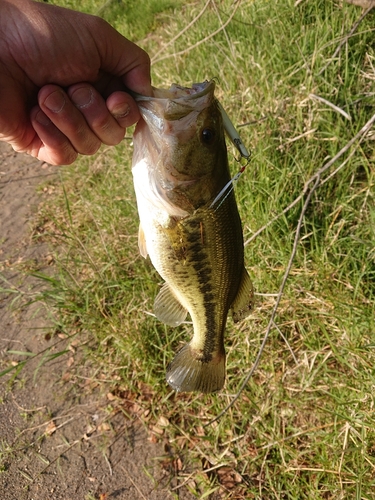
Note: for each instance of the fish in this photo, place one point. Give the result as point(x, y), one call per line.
point(190, 226)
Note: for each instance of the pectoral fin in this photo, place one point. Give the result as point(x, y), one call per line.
point(142, 242)
point(167, 308)
point(244, 301)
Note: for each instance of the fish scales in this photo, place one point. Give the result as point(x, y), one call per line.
point(211, 256)
point(179, 166)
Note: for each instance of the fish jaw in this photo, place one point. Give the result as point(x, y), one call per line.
point(151, 200)
point(181, 133)
point(170, 117)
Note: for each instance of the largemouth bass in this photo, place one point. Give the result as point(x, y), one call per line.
point(192, 235)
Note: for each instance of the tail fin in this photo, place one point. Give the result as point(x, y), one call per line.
point(188, 373)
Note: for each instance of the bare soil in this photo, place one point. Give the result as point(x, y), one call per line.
point(57, 438)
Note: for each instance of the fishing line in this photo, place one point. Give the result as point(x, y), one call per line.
point(230, 185)
point(236, 140)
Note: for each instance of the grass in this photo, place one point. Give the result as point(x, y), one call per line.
point(304, 425)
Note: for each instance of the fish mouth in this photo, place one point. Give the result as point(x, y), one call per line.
point(175, 103)
point(178, 92)
point(170, 119)
point(171, 116)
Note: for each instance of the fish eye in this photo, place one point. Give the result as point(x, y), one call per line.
point(207, 135)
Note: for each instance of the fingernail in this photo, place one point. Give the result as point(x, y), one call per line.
point(121, 111)
point(42, 118)
point(55, 101)
point(82, 97)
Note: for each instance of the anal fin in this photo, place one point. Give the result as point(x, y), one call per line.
point(244, 301)
point(167, 308)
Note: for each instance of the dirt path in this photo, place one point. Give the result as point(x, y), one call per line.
point(57, 440)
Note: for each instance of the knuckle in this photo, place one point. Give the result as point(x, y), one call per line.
point(108, 131)
point(65, 155)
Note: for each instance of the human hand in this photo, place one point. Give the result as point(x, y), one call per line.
point(63, 81)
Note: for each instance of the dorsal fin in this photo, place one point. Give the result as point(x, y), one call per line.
point(244, 301)
point(167, 308)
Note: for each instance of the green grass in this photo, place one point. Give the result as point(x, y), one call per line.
point(304, 426)
point(132, 18)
